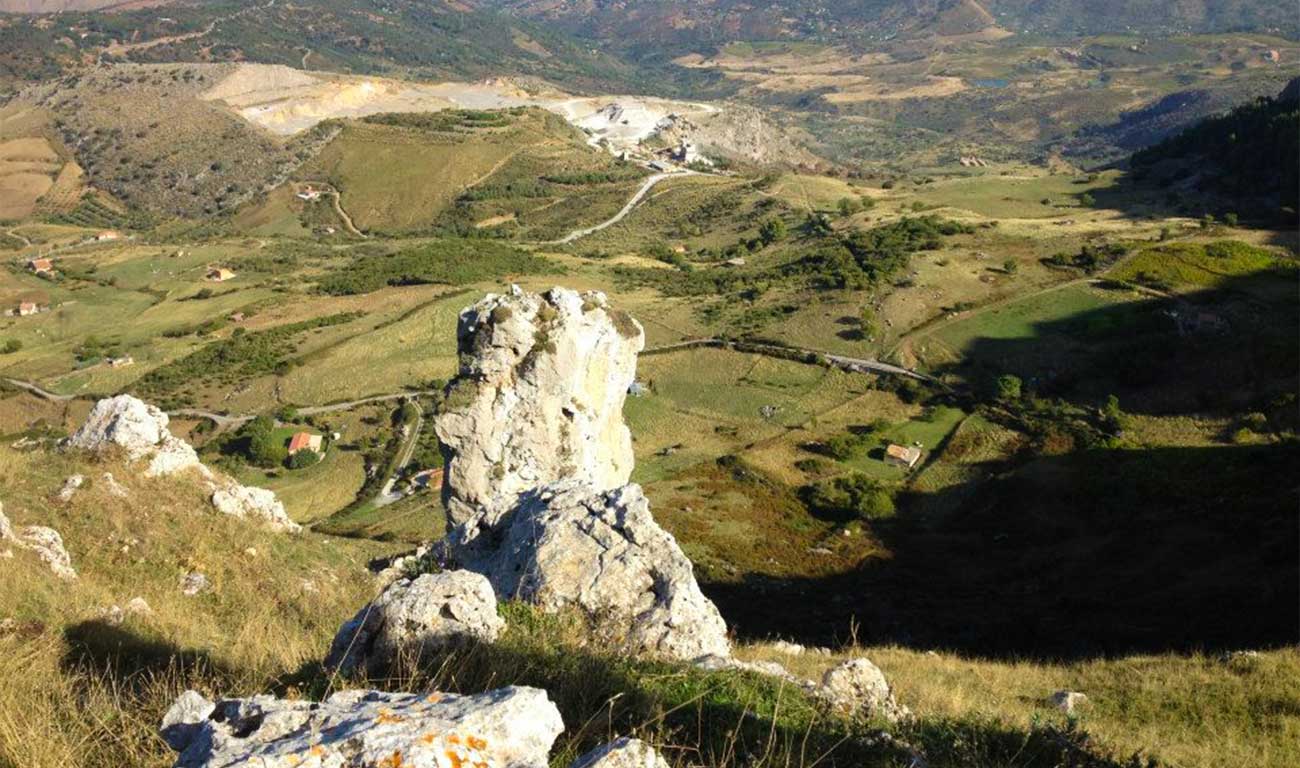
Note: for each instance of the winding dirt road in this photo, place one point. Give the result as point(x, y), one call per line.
point(636, 198)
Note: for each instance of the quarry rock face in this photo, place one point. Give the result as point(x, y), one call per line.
point(858, 688)
point(623, 752)
point(539, 398)
point(430, 613)
point(137, 428)
point(567, 545)
point(140, 430)
point(45, 543)
point(510, 727)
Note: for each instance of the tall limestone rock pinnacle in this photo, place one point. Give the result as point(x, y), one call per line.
point(537, 477)
point(539, 398)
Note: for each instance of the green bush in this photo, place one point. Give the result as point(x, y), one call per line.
point(303, 459)
point(449, 261)
point(851, 496)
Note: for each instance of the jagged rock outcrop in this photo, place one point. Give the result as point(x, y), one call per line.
point(45, 543)
point(507, 728)
point(567, 545)
point(231, 498)
point(539, 398)
point(433, 612)
point(536, 480)
point(622, 752)
point(858, 688)
point(140, 430)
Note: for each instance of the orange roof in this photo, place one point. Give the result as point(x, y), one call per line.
point(40, 265)
point(304, 441)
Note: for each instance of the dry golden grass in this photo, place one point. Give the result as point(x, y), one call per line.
point(1188, 711)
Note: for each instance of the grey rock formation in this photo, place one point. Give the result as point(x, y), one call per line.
point(623, 752)
point(507, 728)
point(539, 398)
point(246, 501)
point(45, 543)
point(184, 719)
point(858, 688)
point(431, 613)
point(137, 428)
point(566, 545)
point(140, 430)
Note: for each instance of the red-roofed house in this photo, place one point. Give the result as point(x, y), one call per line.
point(304, 441)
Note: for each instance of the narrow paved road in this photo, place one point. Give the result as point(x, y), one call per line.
point(636, 198)
point(386, 494)
point(44, 394)
point(840, 361)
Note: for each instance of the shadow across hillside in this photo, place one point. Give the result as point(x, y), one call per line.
point(130, 660)
point(1223, 349)
point(1094, 553)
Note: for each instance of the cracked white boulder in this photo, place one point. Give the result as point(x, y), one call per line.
point(858, 688)
point(137, 428)
point(510, 727)
point(431, 613)
point(246, 501)
point(45, 543)
point(538, 399)
point(567, 545)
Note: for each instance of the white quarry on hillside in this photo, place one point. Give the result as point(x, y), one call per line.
point(510, 727)
point(140, 431)
point(539, 398)
point(536, 479)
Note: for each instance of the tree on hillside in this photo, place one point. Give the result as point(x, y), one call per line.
point(867, 322)
point(1008, 387)
point(262, 446)
point(771, 231)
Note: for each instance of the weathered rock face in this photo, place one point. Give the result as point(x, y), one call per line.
point(507, 728)
point(45, 543)
point(140, 430)
point(539, 398)
point(859, 688)
point(246, 501)
point(431, 613)
point(567, 545)
point(622, 753)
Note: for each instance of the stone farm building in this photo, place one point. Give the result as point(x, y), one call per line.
point(903, 456)
point(27, 308)
point(40, 266)
point(304, 441)
point(220, 274)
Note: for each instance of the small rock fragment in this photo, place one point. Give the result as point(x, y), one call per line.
point(1069, 701)
point(193, 583)
point(70, 487)
point(623, 752)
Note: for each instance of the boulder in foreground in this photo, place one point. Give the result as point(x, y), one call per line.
point(507, 728)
